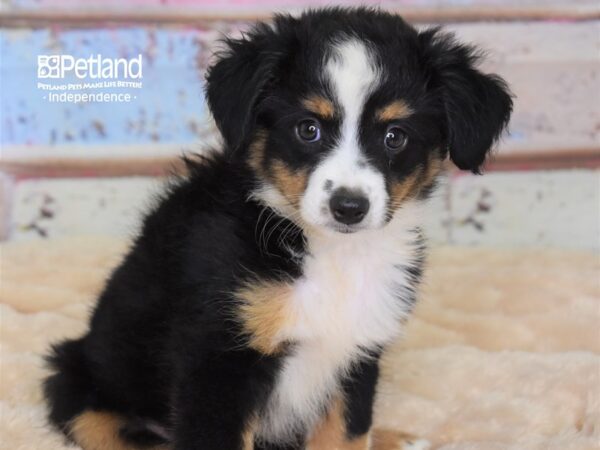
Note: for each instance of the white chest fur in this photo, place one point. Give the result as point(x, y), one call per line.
point(349, 299)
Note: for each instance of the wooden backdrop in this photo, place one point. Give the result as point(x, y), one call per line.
point(547, 50)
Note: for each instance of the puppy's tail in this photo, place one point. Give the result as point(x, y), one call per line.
point(73, 407)
point(69, 390)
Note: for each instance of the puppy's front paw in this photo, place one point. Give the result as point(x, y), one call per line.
point(395, 440)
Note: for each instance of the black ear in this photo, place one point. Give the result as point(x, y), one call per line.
point(477, 106)
point(238, 79)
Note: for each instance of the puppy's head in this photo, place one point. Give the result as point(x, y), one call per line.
point(346, 114)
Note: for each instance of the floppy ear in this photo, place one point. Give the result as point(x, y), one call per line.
point(237, 80)
point(477, 106)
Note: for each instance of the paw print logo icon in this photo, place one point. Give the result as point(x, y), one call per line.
point(48, 66)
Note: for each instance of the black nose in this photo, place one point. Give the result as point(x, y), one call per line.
point(348, 207)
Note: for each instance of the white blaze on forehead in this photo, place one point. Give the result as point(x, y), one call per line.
point(352, 73)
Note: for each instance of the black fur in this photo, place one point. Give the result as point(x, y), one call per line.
point(359, 387)
point(238, 80)
point(477, 106)
point(164, 343)
point(459, 108)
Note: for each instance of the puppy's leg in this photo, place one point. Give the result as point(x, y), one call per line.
point(102, 430)
point(215, 400)
point(331, 433)
point(348, 423)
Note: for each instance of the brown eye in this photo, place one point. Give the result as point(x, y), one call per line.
point(395, 139)
point(308, 130)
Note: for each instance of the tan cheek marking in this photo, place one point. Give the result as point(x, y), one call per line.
point(401, 190)
point(416, 181)
point(320, 106)
point(256, 153)
point(94, 430)
point(434, 166)
point(394, 111)
point(291, 184)
point(330, 433)
point(265, 311)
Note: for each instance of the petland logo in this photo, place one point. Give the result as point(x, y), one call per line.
point(95, 67)
point(66, 79)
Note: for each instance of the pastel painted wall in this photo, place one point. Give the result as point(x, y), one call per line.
point(555, 81)
point(233, 4)
point(65, 168)
point(168, 108)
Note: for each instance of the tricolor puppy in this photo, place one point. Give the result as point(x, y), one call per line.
point(253, 307)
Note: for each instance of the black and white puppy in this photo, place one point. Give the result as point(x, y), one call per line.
point(252, 309)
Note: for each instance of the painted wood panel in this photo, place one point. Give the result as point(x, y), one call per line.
point(67, 207)
point(533, 209)
point(559, 209)
point(552, 68)
point(554, 72)
point(20, 12)
point(168, 108)
point(6, 201)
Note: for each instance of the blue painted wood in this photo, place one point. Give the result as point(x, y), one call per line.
point(168, 109)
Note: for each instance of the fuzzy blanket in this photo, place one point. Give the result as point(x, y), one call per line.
point(503, 352)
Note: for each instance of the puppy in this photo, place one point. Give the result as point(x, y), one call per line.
point(253, 307)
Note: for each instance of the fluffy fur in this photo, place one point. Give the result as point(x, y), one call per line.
point(535, 340)
point(263, 287)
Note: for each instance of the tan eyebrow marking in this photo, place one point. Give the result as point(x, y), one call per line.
point(398, 109)
point(291, 183)
point(320, 106)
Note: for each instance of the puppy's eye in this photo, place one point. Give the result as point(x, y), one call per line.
point(308, 130)
point(395, 139)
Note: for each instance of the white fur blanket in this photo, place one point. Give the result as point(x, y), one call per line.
point(503, 352)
